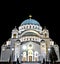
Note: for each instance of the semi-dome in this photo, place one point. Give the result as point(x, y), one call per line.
point(30, 21)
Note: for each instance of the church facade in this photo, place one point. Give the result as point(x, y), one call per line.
point(30, 42)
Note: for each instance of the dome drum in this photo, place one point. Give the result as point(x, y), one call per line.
point(30, 38)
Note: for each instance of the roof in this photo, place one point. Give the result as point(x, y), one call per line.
point(30, 21)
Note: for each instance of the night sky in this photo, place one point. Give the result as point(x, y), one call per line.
point(12, 13)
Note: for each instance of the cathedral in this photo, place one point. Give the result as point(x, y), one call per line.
point(29, 43)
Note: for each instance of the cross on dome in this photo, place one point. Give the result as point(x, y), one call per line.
point(30, 16)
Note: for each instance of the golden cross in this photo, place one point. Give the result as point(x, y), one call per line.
point(30, 16)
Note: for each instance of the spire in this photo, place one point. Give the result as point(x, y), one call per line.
point(30, 16)
point(15, 27)
point(44, 27)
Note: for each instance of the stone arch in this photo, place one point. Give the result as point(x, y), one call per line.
point(33, 31)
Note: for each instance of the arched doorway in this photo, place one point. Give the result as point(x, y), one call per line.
point(24, 56)
point(30, 55)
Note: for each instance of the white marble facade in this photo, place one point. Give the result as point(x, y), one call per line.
point(30, 42)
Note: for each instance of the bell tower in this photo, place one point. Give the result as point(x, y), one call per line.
point(14, 33)
point(45, 33)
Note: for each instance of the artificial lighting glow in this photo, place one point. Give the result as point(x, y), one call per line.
point(12, 49)
point(24, 47)
point(3, 49)
point(48, 49)
point(36, 52)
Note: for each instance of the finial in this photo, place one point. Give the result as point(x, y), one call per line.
point(30, 16)
point(15, 26)
point(44, 27)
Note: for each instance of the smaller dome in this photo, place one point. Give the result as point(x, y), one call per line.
point(30, 21)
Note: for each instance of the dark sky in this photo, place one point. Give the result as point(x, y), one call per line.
point(12, 13)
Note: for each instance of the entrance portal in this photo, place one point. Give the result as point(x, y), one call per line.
point(24, 59)
point(36, 59)
point(30, 58)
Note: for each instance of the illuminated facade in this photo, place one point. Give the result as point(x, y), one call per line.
point(28, 43)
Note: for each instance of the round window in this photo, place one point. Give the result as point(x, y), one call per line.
point(30, 45)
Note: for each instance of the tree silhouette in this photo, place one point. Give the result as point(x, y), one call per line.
point(52, 55)
point(17, 61)
point(43, 61)
point(10, 60)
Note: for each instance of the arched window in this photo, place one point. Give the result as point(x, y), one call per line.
point(24, 27)
point(14, 35)
point(27, 27)
point(30, 26)
point(30, 39)
point(33, 26)
point(33, 39)
point(42, 45)
point(45, 35)
point(30, 45)
point(36, 56)
point(27, 39)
